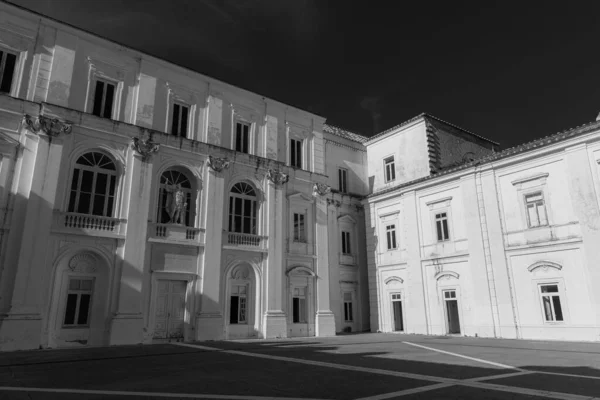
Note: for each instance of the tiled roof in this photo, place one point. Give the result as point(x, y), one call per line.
point(523, 148)
point(425, 115)
point(334, 130)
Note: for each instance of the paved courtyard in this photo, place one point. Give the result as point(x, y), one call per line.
point(365, 366)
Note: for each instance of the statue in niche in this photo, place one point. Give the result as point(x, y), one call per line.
point(176, 203)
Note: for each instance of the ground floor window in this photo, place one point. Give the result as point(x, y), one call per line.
point(79, 299)
point(348, 316)
point(551, 303)
point(397, 312)
point(238, 313)
point(299, 305)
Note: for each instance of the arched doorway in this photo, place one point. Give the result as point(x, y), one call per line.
point(79, 304)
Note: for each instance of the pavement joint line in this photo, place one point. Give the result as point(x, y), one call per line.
point(531, 392)
point(151, 394)
point(462, 356)
point(562, 374)
point(407, 392)
point(501, 376)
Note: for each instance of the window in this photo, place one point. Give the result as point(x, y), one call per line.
point(299, 305)
point(390, 169)
point(242, 209)
point(390, 231)
point(93, 185)
point(242, 136)
point(174, 199)
point(299, 228)
point(346, 242)
point(348, 317)
point(536, 211)
point(79, 298)
point(179, 120)
point(342, 173)
point(7, 70)
point(551, 303)
point(441, 224)
point(296, 153)
point(238, 305)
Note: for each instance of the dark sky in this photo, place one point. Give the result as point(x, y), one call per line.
point(511, 72)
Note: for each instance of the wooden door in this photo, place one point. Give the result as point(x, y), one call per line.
point(170, 309)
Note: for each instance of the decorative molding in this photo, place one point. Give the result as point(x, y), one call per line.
point(300, 270)
point(300, 197)
point(350, 282)
point(321, 189)
point(85, 263)
point(145, 147)
point(392, 279)
point(446, 275)
point(437, 201)
point(240, 271)
point(335, 203)
point(541, 177)
point(277, 177)
point(387, 214)
point(544, 265)
point(50, 126)
point(217, 164)
point(333, 142)
point(347, 218)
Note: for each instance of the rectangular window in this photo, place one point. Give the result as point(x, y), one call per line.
point(346, 242)
point(390, 231)
point(238, 305)
point(342, 173)
point(104, 95)
point(348, 317)
point(242, 136)
point(441, 224)
point(179, 120)
point(7, 70)
point(299, 305)
point(536, 211)
point(390, 169)
point(551, 303)
point(299, 228)
point(296, 153)
point(79, 298)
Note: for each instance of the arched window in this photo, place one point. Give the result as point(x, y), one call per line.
point(242, 209)
point(174, 198)
point(93, 186)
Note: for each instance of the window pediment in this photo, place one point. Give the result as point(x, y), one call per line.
point(347, 218)
point(438, 203)
point(531, 180)
point(393, 279)
point(544, 265)
point(446, 275)
point(300, 197)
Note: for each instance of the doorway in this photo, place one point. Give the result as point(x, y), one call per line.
point(398, 317)
point(452, 318)
point(170, 309)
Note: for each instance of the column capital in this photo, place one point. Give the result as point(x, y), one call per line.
point(321, 189)
point(217, 164)
point(144, 147)
point(50, 126)
point(277, 177)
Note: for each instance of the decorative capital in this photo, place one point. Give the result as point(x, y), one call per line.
point(321, 189)
point(335, 203)
point(277, 177)
point(218, 164)
point(144, 147)
point(50, 126)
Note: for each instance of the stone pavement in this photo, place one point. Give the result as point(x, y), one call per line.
point(362, 366)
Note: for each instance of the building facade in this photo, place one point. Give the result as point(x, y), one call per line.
point(142, 202)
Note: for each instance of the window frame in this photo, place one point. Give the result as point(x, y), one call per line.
point(302, 305)
point(348, 306)
point(296, 153)
point(446, 233)
point(107, 81)
point(346, 246)
point(342, 180)
point(254, 217)
point(560, 293)
point(95, 170)
point(300, 228)
point(180, 104)
point(242, 123)
point(245, 301)
point(390, 234)
point(387, 161)
point(78, 292)
point(15, 72)
point(531, 193)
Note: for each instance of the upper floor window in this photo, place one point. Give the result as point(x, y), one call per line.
point(104, 96)
point(7, 70)
point(242, 209)
point(299, 305)
point(346, 242)
point(342, 182)
point(441, 224)
point(550, 296)
point(174, 198)
point(390, 231)
point(390, 169)
point(536, 210)
point(179, 120)
point(299, 228)
point(296, 153)
point(79, 298)
point(242, 136)
point(93, 185)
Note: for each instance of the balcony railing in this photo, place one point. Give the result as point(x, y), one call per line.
point(94, 225)
point(247, 240)
point(176, 233)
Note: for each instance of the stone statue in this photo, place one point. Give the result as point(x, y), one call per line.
point(176, 204)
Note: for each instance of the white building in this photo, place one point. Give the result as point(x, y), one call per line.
point(142, 202)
